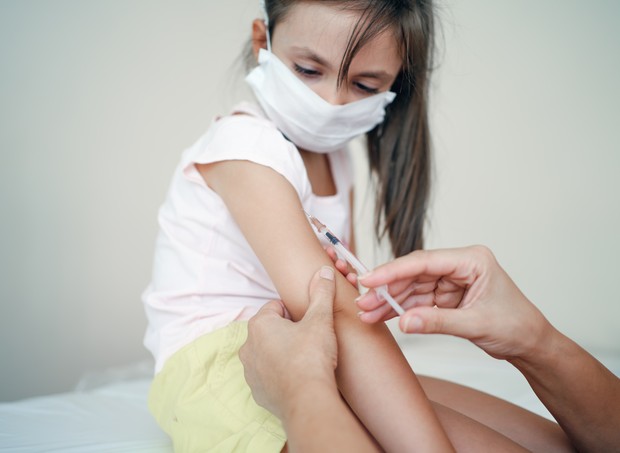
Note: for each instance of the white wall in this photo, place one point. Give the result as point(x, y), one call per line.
point(528, 158)
point(97, 100)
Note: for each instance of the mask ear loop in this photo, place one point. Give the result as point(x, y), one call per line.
point(263, 8)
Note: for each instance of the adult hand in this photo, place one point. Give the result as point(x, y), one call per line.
point(462, 292)
point(280, 356)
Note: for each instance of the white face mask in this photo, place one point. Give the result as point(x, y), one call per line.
point(304, 117)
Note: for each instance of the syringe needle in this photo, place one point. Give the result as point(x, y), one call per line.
point(315, 222)
point(350, 258)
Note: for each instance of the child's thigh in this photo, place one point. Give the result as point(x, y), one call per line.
point(534, 432)
point(202, 401)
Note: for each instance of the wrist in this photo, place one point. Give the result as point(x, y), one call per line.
point(542, 350)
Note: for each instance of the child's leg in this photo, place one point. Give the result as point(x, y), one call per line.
point(534, 432)
point(465, 434)
point(468, 435)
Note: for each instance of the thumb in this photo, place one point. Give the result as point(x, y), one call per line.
point(273, 307)
point(448, 321)
point(322, 291)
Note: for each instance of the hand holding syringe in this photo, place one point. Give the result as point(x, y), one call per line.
point(344, 254)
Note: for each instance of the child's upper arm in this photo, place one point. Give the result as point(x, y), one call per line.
point(269, 213)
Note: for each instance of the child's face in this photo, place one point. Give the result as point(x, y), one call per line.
point(311, 41)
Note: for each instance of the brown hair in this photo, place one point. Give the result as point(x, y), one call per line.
point(399, 148)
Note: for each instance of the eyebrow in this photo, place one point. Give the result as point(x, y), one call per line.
point(312, 56)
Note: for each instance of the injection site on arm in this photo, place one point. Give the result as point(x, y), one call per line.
point(346, 255)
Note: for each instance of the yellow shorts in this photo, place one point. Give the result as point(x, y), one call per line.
point(202, 401)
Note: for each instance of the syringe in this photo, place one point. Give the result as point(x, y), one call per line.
point(344, 254)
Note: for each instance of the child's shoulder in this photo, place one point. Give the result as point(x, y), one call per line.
point(244, 115)
point(244, 126)
point(247, 134)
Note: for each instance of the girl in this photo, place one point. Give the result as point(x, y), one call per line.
point(234, 234)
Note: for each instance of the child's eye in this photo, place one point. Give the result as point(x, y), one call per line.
point(305, 71)
point(366, 89)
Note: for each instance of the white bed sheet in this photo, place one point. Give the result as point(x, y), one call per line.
point(113, 417)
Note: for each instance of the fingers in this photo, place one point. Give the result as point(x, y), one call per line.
point(447, 321)
point(322, 292)
point(352, 278)
point(271, 312)
point(403, 267)
point(342, 266)
point(382, 313)
point(444, 262)
point(274, 307)
point(331, 252)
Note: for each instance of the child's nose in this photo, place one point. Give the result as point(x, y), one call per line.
point(337, 96)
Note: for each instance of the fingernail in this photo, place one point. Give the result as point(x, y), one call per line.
point(327, 273)
point(413, 324)
point(363, 276)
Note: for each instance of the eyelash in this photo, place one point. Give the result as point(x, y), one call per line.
point(312, 73)
point(304, 71)
point(366, 89)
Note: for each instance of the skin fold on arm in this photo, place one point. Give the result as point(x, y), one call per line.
point(373, 375)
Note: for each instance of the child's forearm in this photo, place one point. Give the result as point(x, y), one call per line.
point(317, 420)
point(379, 385)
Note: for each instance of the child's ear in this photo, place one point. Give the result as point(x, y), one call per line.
point(259, 36)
